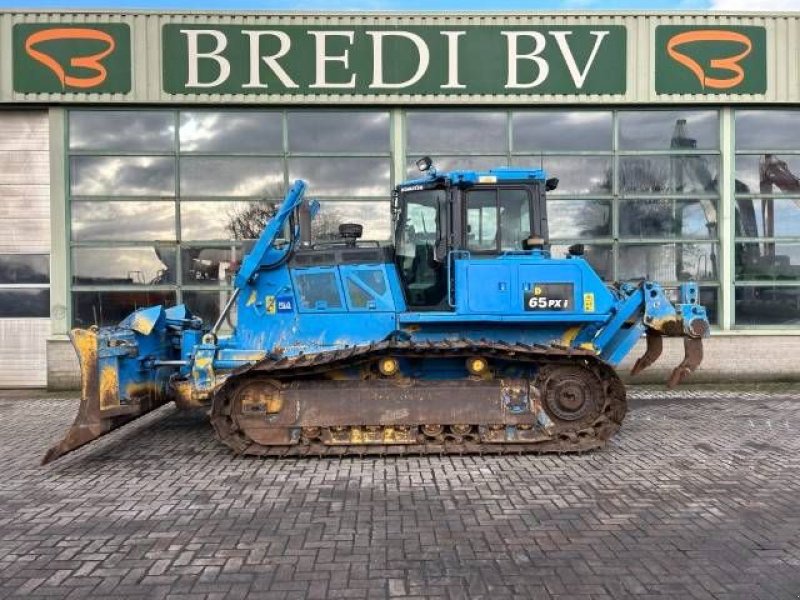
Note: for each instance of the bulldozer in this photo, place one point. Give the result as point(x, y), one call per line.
point(464, 335)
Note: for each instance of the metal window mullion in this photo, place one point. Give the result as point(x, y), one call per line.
point(725, 224)
point(285, 142)
point(61, 236)
point(177, 219)
point(615, 200)
point(397, 139)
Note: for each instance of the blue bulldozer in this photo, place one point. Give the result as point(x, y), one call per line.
point(464, 335)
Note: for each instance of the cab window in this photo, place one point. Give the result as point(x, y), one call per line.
point(498, 220)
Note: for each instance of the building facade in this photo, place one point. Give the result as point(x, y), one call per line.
point(139, 153)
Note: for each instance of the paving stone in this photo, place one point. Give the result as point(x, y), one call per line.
point(695, 498)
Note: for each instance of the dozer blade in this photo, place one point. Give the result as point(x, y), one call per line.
point(693, 348)
point(101, 409)
point(654, 347)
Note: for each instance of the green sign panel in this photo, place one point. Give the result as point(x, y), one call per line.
point(59, 58)
point(374, 60)
point(711, 60)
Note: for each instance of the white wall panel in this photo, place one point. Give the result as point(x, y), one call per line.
point(24, 229)
point(23, 352)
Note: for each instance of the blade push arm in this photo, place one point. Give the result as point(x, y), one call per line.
point(264, 246)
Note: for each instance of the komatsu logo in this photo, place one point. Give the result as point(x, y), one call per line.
point(380, 60)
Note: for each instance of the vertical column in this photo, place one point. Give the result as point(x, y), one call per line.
point(397, 137)
point(725, 212)
point(59, 225)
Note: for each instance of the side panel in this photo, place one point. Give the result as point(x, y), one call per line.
point(529, 287)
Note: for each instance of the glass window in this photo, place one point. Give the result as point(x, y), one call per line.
point(25, 303)
point(466, 163)
point(231, 131)
point(482, 220)
point(768, 217)
point(349, 177)
point(667, 262)
point(24, 268)
point(456, 131)
point(668, 129)
point(134, 265)
point(122, 176)
point(209, 265)
point(668, 218)
point(768, 174)
point(231, 176)
point(549, 130)
point(767, 129)
point(123, 221)
point(768, 260)
point(220, 220)
point(515, 218)
point(768, 305)
point(109, 308)
point(336, 131)
point(690, 174)
point(579, 174)
point(576, 219)
point(497, 219)
point(375, 216)
point(122, 130)
point(599, 256)
point(318, 290)
point(209, 305)
point(709, 298)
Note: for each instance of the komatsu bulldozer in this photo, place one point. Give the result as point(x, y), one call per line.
point(464, 335)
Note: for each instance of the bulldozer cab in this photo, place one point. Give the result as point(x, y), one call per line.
point(485, 218)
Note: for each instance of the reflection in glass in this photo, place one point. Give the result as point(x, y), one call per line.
point(31, 303)
point(123, 221)
point(548, 130)
point(124, 130)
point(768, 260)
point(140, 265)
point(597, 255)
point(767, 305)
point(122, 176)
point(220, 220)
point(456, 131)
point(668, 218)
point(576, 219)
point(579, 174)
point(767, 129)
point(668, 262)
point(208, 306)
point(231, 176)
point(109, 308)
point(459, 163)
point(24, 268)
point(210, 265)
point(231, 131)
point(342, 176)
point(668, 129)
point(709, 298)
point(338, 131)
point(375, 216)
point(668, 174)
point(768, 217)
point(767, 174)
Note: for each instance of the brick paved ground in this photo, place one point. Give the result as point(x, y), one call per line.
point(696, 498)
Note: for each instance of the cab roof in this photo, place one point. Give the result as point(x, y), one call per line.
point(472, 177)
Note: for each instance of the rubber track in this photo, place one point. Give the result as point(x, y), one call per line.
point(314, 365)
